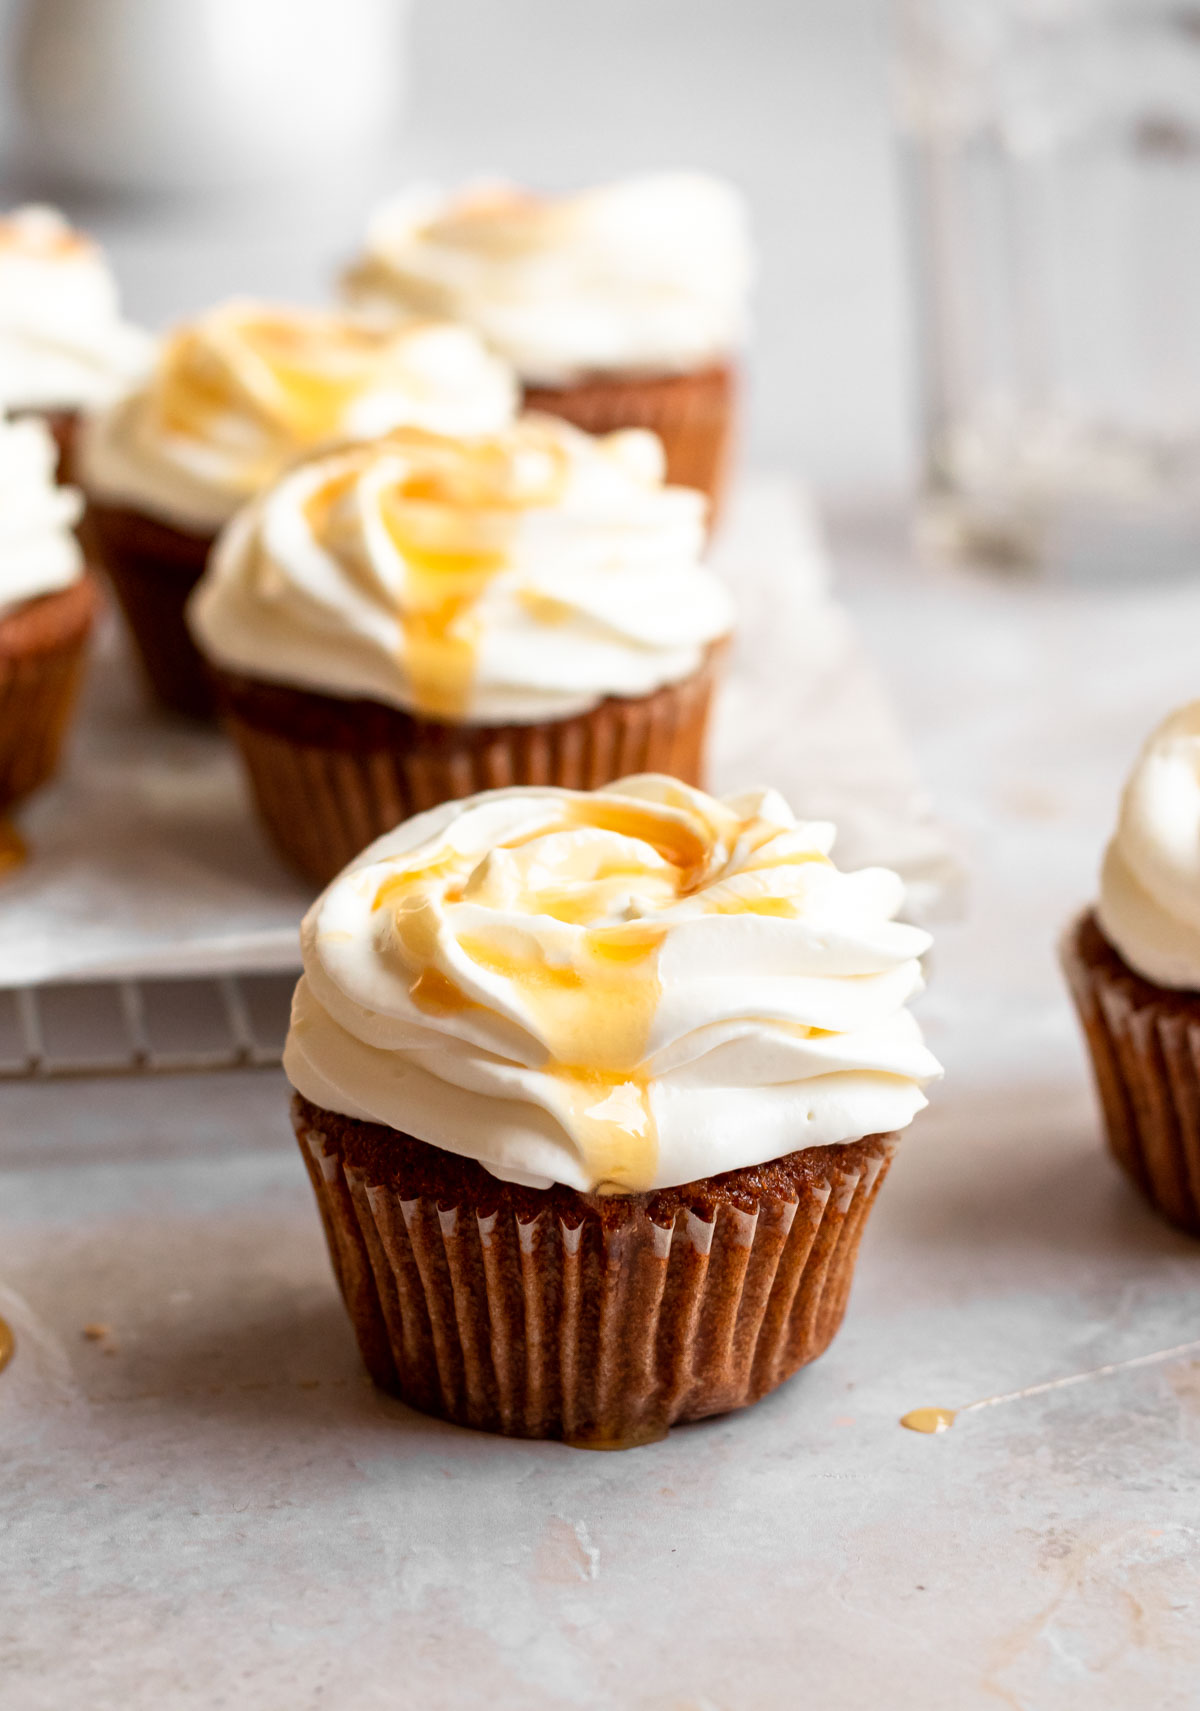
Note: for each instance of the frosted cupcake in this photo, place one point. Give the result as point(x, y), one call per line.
point(620, 307)
point(402, 623)
point(1133, 963)
point(235, 398)
point(46, 608)
point(596, 1092)
point(63, 345)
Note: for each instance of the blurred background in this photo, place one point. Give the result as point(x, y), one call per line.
point(792, 100)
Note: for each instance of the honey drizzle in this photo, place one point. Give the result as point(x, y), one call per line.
point(596, 1008)
point(8, 1343)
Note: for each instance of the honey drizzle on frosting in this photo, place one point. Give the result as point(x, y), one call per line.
point(294, 374)
point(451, 517)
point(594, 1005)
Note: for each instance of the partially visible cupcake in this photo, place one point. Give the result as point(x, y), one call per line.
point(596, 1092)
point(619, 307)
point(398, 624)
point(64, 348)
point(1133, 963)
point(235, 398)
point(47, 603)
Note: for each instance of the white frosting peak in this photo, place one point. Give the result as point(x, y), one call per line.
point(238, 395)
point(518, 578)
point(1150, 884)
point(647, 274)
point(627, 989)
point(38, 552)
point(63, 344)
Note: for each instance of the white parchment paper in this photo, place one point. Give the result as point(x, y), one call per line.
point(145, 858)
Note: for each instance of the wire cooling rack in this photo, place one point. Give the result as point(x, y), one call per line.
point(143, 1027)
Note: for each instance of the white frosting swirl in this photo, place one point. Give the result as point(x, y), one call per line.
point(520, 578)
point(648, 274)
point(38, 552)
point(628, 989)
point(241, 393)
point(1150, 884)
point(63, 344)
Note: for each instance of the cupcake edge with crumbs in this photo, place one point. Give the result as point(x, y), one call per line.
point(596, 1219)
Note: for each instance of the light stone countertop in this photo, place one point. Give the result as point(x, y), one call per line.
point(227, 1514)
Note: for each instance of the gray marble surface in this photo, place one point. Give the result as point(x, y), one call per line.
point(205, 1503)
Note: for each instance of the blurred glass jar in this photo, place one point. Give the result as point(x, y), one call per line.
point(195, 95)
point(1054, 163)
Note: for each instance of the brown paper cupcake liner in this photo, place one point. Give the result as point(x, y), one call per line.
point(43, 644)
point(153, 570)
point(1145, 1049)
point(330, 776)
point(692, 414)
point(599, 1320)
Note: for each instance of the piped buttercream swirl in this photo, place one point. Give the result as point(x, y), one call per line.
point(1150, 883)
point(63, 344)
point(38, 551)
point(238, 395)
point(511, 579)
point(622, 990)
point(648, 274)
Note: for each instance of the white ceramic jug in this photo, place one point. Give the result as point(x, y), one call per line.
point(167, 95)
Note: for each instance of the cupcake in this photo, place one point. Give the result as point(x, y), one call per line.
point(621, 307)
point(63, 345)
point(235, 398)
point(46, 607)
point(596, 1091)
point(401, 623)
point(1133, 963)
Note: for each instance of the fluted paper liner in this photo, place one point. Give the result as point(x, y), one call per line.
point(43, 645)
point(329, 777)
point(603, 1331)
point(1145, 1049)
point(153, 570)
point(692, 414)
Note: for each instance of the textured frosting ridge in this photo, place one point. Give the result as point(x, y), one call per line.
point(1150, 882)
point(63, 343)
point(38, 551)
point(619, 990)
point(648, 274)
point(242, 392)
point(511, 579)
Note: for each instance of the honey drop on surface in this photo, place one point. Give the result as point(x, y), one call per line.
point(929, 1420)
point(8, 1344)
